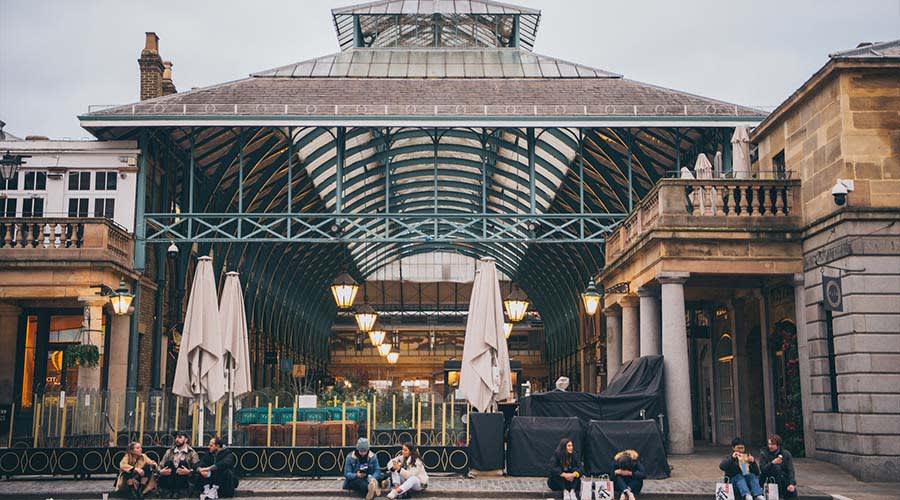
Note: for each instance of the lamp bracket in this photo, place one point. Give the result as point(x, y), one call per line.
point(621, 287)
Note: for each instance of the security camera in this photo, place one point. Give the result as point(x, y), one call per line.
point(840, 190)
point(172, 251)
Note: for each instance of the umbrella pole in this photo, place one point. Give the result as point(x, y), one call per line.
point(230, 405)
point(200, 417)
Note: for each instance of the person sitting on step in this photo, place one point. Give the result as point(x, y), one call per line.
point(407, 472)
point(629, 474)
point(178, 464)
point(217, 475)
point(136, 472)
point(361, 471)
point(742, 470)
point(566, 470)
point(778, 463)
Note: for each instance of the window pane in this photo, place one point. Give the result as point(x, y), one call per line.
point(10, 183)
point(100, 181)
point(41, 183)
point(26, 207)
point(29, 181)
point(110, 208)
point(82, 207)
point(73, 181)
point(38, 207)
point(111, 181)
point(73, 207)
point(9, 208)
point(85, 182)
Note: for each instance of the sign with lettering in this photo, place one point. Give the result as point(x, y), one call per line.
point(832, 294)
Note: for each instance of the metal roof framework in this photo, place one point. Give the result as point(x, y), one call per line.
point(420, 136)
point(538, 200)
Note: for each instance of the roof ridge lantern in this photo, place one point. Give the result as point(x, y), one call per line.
point(452, 24)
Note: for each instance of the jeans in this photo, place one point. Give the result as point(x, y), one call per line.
point(173, 482)
point(557, 483)
point(411, 483)
point(623, 483)
point(746, 485)
point(359, 485)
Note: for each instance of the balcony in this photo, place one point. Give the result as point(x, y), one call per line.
point(30, 241)
point(711, 209)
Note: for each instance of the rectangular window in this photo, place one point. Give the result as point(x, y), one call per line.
point(8, 207)
point(778, 165)
point(79, 181)
point(105, 181)
point(33, 207)
point(36, 181)
point(104, 207)
point(10, 184)
point(78, 207)
point(832, 369)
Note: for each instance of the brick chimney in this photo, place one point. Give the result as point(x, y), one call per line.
point(151, 68)
point(168, 86)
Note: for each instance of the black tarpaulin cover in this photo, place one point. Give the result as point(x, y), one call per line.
point(638, 386)
point(532, 441)
point(486, 441)
point(605, 438)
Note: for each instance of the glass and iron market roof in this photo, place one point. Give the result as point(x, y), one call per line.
point(431, 121)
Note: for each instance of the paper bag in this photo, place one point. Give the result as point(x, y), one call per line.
point(770, 489)
point(724, 491)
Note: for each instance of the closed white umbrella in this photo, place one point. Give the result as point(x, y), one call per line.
point(234, 342)
point(740, 153)
point(704, 170)
point(199, 372)
point(485, 375)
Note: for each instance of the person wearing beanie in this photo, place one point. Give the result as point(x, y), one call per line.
point(361, 471)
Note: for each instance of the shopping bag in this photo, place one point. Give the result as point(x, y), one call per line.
point(587, 489)
point(724, 491)
point(771, 489)
point(603, 488)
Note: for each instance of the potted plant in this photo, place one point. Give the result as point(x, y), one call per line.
point(86, 355)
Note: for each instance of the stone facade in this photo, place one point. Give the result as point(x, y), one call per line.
point(844, 123)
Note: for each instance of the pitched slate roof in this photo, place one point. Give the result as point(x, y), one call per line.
point(877, 50)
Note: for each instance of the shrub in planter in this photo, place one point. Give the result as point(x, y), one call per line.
point(81, 355)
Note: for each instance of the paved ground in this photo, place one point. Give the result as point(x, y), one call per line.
point(692, 477)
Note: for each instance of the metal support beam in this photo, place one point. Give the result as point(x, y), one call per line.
point(531, 175)
point(341, 145)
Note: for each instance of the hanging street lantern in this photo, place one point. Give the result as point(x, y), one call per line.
point(393, 357)
point(507, 329)
point(9, 165)
point(344, 290)
point(384, 349)
point(365, 317)
point(121, 299)
point(516, 305)
point(377, 337)
point(591, 298)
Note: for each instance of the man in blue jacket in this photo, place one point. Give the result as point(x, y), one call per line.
point(361, 471)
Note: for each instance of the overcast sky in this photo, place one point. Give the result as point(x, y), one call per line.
point(59, 56)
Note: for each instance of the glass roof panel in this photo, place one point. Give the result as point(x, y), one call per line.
point(378, 70)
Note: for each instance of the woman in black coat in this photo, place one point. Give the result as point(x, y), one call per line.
point(629, 474)
point(566, 471)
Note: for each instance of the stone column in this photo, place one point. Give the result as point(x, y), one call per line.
point(650, 336)
point(118, 367)
point(768, 389)
point(613, 342)
point(631, 341)
point(676, 366)
point(809, 433)
point(9, 339)
point(89, 377)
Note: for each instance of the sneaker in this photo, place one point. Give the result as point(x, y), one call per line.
point(748, 497)
point(630, 495)
point(392, 495)
point(760, 497)
point(623, 496)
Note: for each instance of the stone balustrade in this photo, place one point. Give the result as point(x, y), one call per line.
point(711, 204)
point(31, 239)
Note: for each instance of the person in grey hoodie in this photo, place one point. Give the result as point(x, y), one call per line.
point(777, 463)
